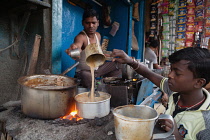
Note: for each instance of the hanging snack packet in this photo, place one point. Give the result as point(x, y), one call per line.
point(180, 42)
point(153, 17)
point(199, 15)
point(207, 22)
point(205, 41)
point(165, 26)
point(153, 25)
point(189, 35)
point(189, 43)
point(165, 18)
point(190, 11)
point(181, 27)
point(182, 11)
point(164, 8)
point(191, 3)
point(181, 35)
point(199, 4)
point(207, 31)
point(190, 27)
point(207, 3)
point(182, 19)
point(207, 13)
point(153, 9)
point(199, 26)
point(191, 18)
point(182, 3)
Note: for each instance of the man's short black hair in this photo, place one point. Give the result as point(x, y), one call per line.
point(154, 44)
point(199, 61)
point(90, 13)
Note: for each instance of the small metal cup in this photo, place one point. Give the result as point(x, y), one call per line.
point(75, 53)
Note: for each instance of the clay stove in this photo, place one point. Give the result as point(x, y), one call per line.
point(17, 126)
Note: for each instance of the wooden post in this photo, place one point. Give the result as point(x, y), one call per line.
point(34, 56)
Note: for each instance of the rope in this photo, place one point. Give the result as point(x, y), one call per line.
point(1, 50)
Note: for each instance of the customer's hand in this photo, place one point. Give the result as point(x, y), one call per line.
point(166, 125)
point(121, 57)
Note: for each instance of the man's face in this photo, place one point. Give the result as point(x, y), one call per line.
point(90, 25)
point(181, 79)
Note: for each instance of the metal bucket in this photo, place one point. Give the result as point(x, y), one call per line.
point(136, 122)
point(94, 55)
point(90, 110)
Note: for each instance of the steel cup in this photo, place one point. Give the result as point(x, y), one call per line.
point(75, 53)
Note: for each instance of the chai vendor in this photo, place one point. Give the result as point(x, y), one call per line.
point(90, 22)
point(189, 101)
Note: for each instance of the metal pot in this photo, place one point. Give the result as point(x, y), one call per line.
point(90, 110)
point(47, 96)
point(137, 122)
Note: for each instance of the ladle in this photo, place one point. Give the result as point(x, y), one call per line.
point(70, 68)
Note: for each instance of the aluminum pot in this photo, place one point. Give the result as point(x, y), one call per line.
point(137, 122)
point(47, 96)
point(89, 110)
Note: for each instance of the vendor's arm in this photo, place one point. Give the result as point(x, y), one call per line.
point(122, 57)
point(78, 43)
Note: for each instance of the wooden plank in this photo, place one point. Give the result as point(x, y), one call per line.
point(34, 56)
point(9, 137)
point(2, 137)
point(46, 50)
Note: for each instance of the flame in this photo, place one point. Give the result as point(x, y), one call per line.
point(135, 80)
point(72, 115)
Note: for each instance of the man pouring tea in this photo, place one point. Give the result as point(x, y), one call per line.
point(90, 22)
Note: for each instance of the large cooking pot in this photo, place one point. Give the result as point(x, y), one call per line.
point(48, 96)
point(90, 109)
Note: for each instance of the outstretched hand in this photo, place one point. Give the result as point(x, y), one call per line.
point(121, 57)
point(72, 47)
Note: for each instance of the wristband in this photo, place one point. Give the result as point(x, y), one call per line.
point(134, 60)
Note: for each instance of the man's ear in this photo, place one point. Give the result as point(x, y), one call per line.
point(200, 82)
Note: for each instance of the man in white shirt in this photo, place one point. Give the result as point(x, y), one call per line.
point(150, 54)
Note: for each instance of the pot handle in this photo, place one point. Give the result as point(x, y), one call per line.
point(70, 68)
point(167, 134)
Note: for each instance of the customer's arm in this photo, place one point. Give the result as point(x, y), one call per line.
point(122, 57)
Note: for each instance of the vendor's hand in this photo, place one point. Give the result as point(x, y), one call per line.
point(72, 47)
point(121, 57)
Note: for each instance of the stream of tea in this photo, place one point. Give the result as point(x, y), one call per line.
point(92, 99)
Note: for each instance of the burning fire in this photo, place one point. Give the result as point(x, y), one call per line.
point(72, 115)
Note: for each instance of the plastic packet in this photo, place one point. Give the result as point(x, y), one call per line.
point(181, 27)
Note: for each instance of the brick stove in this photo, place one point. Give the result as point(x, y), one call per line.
point(20, 127)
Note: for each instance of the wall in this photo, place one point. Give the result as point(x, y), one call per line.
point(72, 25)
point(14, 61)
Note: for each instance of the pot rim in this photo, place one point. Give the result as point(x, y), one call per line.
point(130, 118)
point(21, 81)
point(92, 102)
